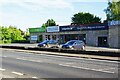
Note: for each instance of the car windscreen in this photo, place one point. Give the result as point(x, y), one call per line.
point(44, 42)
point(52, 42)
point(70, 43)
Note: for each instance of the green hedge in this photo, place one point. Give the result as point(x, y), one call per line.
point(21, 41)
point(5, 41)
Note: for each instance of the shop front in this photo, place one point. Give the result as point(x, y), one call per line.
point(36, 34)
point(93, 34)
point(52, 33)
point(67, 37)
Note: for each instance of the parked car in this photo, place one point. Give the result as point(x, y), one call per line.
point(49, 44)
point(74, 44)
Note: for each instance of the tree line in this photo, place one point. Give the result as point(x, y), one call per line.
point(12, 34)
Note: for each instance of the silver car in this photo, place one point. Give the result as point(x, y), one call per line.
point(74, 44)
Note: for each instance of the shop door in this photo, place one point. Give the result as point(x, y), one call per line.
point(102, 42)
point(40, 38)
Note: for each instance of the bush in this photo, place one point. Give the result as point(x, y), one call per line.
point(1, 42)
point(21, 41)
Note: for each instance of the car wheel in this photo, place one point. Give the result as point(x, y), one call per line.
point(45, 46)
point(52, 47)
point(72, 48)
point(83, 48)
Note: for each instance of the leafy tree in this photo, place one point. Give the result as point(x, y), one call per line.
point(84, 18)
point(113, 11)
point(26, 35)
point(16, 34)
point(5, 35)
point(10, 34)
point(44, 26)
point(50, 22)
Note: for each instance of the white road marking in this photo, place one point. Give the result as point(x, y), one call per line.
point(34, 77)
point(102, 71)
point(82, 58)
point(107, 68)
point(29, 60)
point(69, 63)
point(87, 68)
point(80, 67)
point(64, 65)
point(17, 73)
point(4, 56)
point(2, 69)
point(19, 58)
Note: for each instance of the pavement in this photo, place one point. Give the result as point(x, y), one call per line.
point(54, 66)
point(87, 48)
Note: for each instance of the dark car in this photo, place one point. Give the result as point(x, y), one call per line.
point(49, 44)
point(74, 44)
point(43, 44)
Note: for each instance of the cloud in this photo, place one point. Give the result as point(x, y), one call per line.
point(73, 1)
point(38, 4)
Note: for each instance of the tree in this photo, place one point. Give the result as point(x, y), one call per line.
point(50, 22)
point(16, 34)
point(113, 11)
point(26, 35)
point(84, 18)
point(10, 34)
point(44, 26)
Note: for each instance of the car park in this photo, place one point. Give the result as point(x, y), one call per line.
point(49, 44)
point(74, 44)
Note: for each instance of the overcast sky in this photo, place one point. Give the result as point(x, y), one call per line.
point(33, 13)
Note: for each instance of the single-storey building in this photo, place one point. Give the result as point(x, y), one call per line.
point(96, 34)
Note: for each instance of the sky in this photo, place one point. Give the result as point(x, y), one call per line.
point(26, 14)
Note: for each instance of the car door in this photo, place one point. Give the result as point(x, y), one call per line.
point(81, 44)
point(76, 45)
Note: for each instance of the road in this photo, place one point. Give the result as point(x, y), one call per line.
point(32, 65)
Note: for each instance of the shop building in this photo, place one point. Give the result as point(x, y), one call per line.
point(97, 34)
point(36, 34)
point(91, 34)
point(52, 33)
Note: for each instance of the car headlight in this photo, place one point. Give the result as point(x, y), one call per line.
point(70, 47)
point(60, 46)
point(43, 44)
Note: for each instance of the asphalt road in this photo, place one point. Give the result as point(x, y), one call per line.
point(51, 66)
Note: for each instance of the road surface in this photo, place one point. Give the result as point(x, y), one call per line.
point(30, 65)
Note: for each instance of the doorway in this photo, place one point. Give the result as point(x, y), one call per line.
point(102, 42)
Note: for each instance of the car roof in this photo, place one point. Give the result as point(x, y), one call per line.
point(75, 40)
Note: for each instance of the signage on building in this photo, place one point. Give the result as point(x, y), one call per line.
point(113, 23)
point(36, 30)
point(34, 37)
point(53, 29)
point(78, 28)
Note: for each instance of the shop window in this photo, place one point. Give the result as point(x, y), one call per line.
point(40, 38)
point(54, 37)
point(48, 37)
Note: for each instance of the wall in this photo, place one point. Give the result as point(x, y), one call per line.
point(37, 34)
point(114, 36)
point(92, 36)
